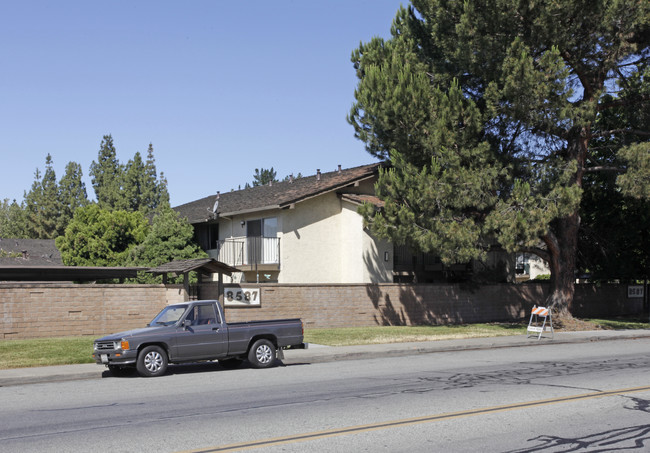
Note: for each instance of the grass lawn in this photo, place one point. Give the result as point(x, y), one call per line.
point(45, 352)
point(400, 334)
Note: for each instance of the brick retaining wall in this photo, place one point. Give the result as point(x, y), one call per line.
point(394, 304)
point(35, 310)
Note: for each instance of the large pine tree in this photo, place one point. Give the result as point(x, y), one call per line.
point(107, 176)
point(72, 195)
point(42, 204)
point(488, 111)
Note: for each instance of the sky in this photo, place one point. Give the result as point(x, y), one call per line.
point(219, 88)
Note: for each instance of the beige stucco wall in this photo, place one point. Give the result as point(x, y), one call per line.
point(322, 240)
point(311, 243)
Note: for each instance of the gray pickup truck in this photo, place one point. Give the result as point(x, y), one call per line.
point(193, 332)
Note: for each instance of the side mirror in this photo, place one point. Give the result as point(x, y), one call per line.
point(187, 323)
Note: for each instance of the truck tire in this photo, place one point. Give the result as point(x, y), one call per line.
point(262, 354)
point(152, 361)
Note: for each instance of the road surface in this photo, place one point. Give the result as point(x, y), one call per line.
point(571, 397)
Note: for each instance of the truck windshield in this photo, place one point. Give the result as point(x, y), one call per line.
point(169, 315)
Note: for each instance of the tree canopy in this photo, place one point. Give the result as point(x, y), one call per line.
point(170, 238)
point(99, 237)
point(489, 113)
point(134, 186)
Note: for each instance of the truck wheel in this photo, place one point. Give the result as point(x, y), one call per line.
point(262, 354)
point(152, 361)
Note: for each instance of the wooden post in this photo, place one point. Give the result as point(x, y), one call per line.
point(220, 289)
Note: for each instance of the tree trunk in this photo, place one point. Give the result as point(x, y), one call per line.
point(562, 244)
point(562, 239)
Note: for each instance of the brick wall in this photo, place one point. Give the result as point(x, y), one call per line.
point(394, 304)
point(33, 310)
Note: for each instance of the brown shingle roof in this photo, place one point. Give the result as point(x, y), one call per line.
point(29, 252)
point(204, 265)
point(278, 195)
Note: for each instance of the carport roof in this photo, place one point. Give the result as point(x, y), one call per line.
point(86, 273)
point(203, 265)
point(66, 273)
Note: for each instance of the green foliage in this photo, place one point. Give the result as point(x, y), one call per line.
point(131, 187)
point(264, 176)
point(107, 174)
point(487, 112)
point(72, 195)
point(99, 237)
point(12, 220)
point(170, 238)
point(636, 181)
point(6, 254)
point(42, 204)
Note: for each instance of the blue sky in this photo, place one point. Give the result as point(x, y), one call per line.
point(219, 88)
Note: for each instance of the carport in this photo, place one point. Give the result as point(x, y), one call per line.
point(204, 266)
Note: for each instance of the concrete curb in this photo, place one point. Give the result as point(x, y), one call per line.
point(323, 354)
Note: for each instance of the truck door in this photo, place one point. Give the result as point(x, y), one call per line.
point(205, 338)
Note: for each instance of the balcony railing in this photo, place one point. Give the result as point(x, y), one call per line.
point(248, 252)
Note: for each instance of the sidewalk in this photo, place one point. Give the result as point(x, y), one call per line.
point(321, 354)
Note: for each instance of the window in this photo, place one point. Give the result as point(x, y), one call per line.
point(270, 227)
point(202, 314)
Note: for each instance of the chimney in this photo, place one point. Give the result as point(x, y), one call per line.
point(339, 168)
point(291, 178)
point(270, 183)
point(318, 174)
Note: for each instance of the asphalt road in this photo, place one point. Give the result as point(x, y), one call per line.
point(563, 397)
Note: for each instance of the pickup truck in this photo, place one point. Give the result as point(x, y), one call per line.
point(196, 331)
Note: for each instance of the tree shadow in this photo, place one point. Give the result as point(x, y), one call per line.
point(629, 438)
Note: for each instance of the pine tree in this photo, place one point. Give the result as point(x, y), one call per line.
point(133, 181)
point(42, 204)
point(513, 87)
point(107, 176)
point(264, 176)
point(163, 193)
point(150, 185)
point(170, 238)
point(12, 220)
point(72, 195)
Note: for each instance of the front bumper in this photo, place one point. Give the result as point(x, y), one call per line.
point(115, 357)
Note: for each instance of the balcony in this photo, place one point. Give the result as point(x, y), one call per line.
point(248, 253)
